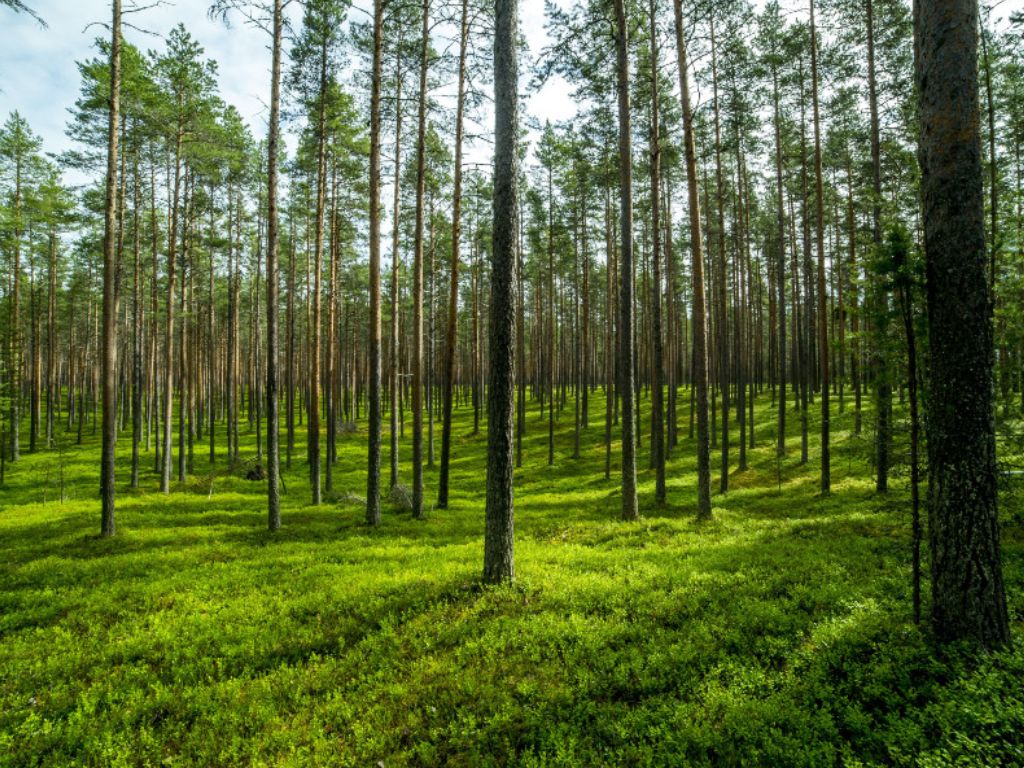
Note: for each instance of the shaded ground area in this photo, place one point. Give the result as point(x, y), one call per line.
point(778, 634)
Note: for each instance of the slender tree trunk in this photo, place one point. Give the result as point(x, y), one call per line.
point(626, 345)
point(211, 347)
point(451, 327)
point(137, 326)
point(657, 410)
point(609, 334)
point(520, 343)
point(552, 326)
point(373, 404)
point(780, 446)
point(394, 384)
point(318, 268)
point(700, 355)
point(722, 314)
point(273, 428)
point(417, 290)
point(823, 347)
point(110, 271)
point(52, 383)
point(880, 362)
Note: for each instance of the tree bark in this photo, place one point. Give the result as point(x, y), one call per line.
point(451, 328)
point(630, 510)
point(968, 598)
point(823, 347)
point(700, 354)
point(498, 535)
point(417, 279)
point(373, 403)
point(109, 362)
point(657, 414)
point(273, 452)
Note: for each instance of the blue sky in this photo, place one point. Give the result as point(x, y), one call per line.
point(41, 78)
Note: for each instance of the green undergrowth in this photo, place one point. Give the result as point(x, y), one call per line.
point(778, 634)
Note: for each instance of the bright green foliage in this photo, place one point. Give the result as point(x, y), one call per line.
point(777, 635)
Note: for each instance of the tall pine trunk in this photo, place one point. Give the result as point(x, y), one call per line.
point(700, 328)
point(373, 374)
point(630, 510)
point(968, 598)
point(498, 530)
point(273, 452)
point(417, 280)
point(109, 356)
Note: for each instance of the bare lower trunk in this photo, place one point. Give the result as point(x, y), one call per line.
point(968, 597)
point(373, 404)
point(700, 355)
point(498, 531)
point(630, 510)
point(109, 356)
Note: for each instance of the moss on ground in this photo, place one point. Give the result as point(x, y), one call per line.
point(776, 635)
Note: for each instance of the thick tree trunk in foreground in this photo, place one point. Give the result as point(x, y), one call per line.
point(109, 362)
point(498, 536)
point(968, 599)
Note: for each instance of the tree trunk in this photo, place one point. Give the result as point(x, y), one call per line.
point(373, 404)
point(880, 361)
point(273, 453)
point(700, 355)
point(451, 328)
point(626, 346)
point(394, 382)
point(657, 411)
point(417, 280)
point(498, 532)
point(968, 598)
point(318, 268)
point(823, 348)
point(109, 364)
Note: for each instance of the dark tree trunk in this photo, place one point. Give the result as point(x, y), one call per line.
point(968, 599)
point(498, 535)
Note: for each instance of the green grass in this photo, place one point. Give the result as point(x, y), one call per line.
point(776, 635)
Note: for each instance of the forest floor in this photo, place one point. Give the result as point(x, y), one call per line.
point(779, 634)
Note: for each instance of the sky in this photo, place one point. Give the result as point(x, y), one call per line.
point(41, 80)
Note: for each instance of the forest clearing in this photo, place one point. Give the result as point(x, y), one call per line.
point(778, 634)
point(452, 383)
